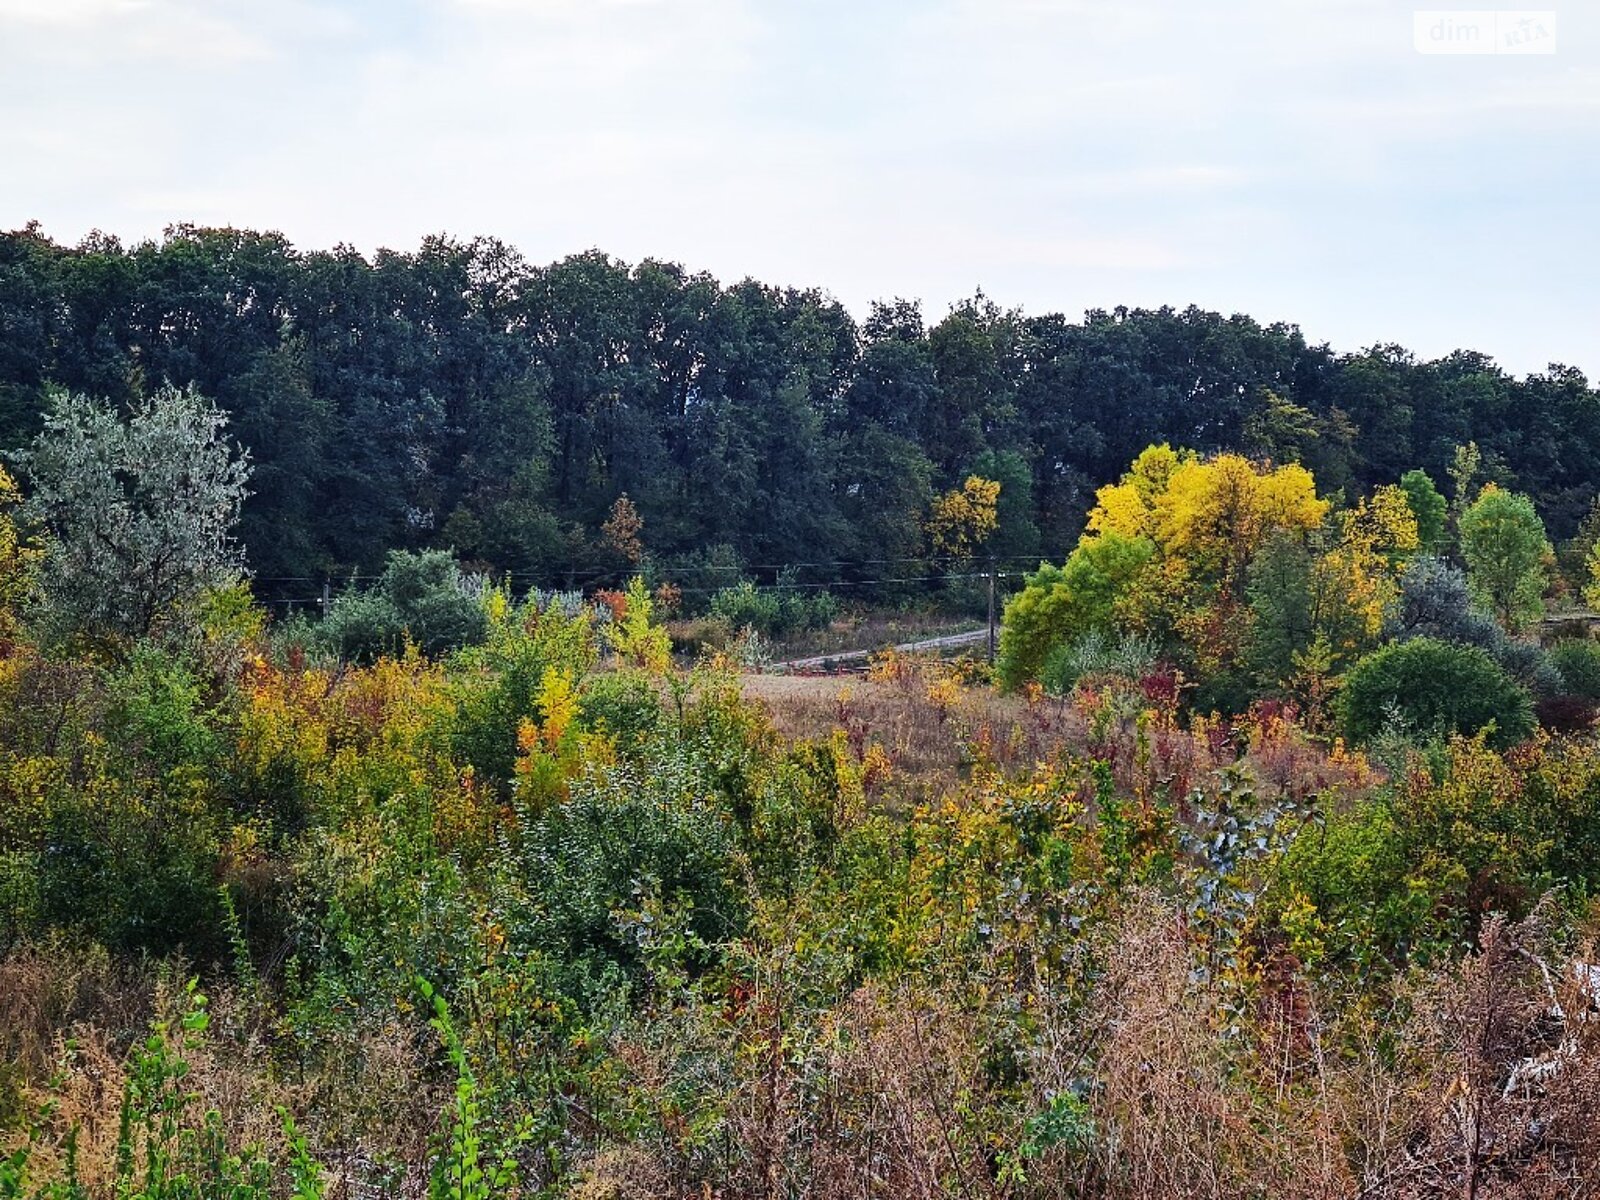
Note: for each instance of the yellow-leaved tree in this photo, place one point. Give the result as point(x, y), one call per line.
point(1213, 514)
point(1360, 574)
point(962, 520)
point(637, 642)
point(17, 561)
point(1128, 507)
point(1201, 521)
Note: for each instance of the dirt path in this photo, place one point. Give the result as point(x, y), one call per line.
point(971, 637)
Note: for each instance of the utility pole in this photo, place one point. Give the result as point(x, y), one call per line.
point(991, 612)
point(327, 597)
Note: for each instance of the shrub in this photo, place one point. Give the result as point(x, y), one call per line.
point(626, 841)
point(1437, 602)
point(633, 637)
point(1433, 687)
point(421, 596)
point(157, 714)
point(1566, 714)
point(501, 680)
point(744, 604)
point(111, 818)
point(775, 612)
point(132, 865)
point(1578, 663)
point(623, 704)
point(1416, 868)
point(1529, 665)
point(1131, 657)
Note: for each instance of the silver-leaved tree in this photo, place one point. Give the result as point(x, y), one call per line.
point(136, 513)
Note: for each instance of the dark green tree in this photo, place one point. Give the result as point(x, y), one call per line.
point(1429, 507)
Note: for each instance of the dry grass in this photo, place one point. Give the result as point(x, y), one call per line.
point(1479, 1081)
point(932, 728)
point(45, 989)
point(1180, 1112)
point(368, 1100)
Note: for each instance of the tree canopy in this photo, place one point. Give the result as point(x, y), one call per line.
point(1503, 543)
point(459, 397)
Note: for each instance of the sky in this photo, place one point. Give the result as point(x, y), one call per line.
point(1296, 160)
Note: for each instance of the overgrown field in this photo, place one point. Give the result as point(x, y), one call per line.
point(1262, 865)
point(641, 943)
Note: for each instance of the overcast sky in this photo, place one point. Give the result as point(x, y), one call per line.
point(1297, 160)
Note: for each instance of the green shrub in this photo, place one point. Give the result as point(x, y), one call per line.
point(626, 841)
point(623, 704)
point(500, 680)
point(1414, 870)
point(424, 597)
point(115, 803)
point(1429, 687)
point(744, 604)
point(134, 867)
point(1578, 662)
point(361, 626)
point(776, 612)
point(157, 713)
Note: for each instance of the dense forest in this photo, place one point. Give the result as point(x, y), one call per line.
point(462, 398)
point(1263, 862)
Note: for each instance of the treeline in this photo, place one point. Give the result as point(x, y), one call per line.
point(461, 397)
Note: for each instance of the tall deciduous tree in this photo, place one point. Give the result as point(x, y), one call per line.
point(137, 514)
point(1428, 506)
point(460, 397)
point(1504, 545)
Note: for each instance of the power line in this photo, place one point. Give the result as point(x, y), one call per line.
point(602, 572)
point(838, 583)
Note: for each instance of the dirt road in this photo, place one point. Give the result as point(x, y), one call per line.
point(819, 662)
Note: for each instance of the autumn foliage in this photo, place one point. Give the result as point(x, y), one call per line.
point(547, 912)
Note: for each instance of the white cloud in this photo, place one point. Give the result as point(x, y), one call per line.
point(100, 31)
point(67, 12)
point(1292, 158)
